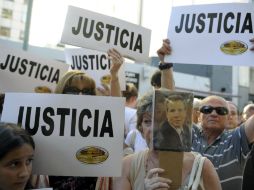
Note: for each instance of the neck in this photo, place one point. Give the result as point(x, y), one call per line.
point(153, 158)
point(211, 135)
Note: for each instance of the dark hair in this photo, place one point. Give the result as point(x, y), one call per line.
point(13, 136)
point(131, 91)
point(156, 79)
point(145, 105)
point(174, 98)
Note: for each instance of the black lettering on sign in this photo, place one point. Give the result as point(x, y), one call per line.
point(47, 118)
point(30, 68)
point(79, 121)
point(62, 112)
point(92, 62)
point(215, 22)
point(97, 30)
point(107, 125)
point(85, 113)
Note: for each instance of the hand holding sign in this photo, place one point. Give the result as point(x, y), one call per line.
point(117, 61)
point(153, 181)
point(164, 50)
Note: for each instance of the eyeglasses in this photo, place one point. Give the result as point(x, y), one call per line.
point(75, 90)
point(209, 109)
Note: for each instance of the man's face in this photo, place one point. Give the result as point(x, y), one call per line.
point(247, 114)
point(176, 113)
point(233, 116)
point(214, 121)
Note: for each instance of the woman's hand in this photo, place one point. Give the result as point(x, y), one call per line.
point(116, 60)
point(164, 50)
point(153, 181)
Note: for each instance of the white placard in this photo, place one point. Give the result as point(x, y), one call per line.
point(94, 63)
point(216, 34)
point(63, 126)
point(24, 72)
point(91, 30)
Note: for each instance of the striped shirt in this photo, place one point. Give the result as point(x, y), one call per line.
point(228, 153)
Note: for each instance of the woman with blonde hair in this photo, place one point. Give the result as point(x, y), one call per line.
point(79, 83)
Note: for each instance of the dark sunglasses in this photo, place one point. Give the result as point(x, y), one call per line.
point(209, 109)
point(75, 90)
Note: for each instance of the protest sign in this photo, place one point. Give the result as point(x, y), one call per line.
point(216, 34)
point(91, 30)
point(172, 120)
point(74, 135)
point(23, 72)
point(93, 63)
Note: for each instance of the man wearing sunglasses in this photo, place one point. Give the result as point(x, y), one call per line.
point(226, 149)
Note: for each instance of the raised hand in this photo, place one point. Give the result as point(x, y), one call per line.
point(164, 50)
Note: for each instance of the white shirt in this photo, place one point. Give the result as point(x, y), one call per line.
point(139, 142)
point(130, 119)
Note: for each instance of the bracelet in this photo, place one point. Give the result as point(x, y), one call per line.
point(165, 66)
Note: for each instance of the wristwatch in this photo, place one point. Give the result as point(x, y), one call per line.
point(165, 66)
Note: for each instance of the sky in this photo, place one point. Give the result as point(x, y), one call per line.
point(48, 16)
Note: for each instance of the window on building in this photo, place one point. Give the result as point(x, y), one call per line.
point(7, 13)
point(21, 35)
point(5, 31)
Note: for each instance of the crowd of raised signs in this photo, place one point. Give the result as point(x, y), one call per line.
point(78, 126)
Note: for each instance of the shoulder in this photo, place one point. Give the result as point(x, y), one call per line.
point(130, 110)
point(210, 176)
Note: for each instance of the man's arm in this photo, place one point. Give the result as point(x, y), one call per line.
point(249, 129)
point(167, 79)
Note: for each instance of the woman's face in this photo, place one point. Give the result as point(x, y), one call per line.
point(147, 127)
point(16, 168)
point(79, 86)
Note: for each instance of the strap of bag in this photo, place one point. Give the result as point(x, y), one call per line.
point(196, 172)
point(198, 175)
point(133, 140)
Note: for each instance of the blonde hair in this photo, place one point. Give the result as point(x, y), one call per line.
point(131, 91)
point(71, 76)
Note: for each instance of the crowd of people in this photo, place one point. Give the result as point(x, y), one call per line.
point(221, 138)
point(218, 143)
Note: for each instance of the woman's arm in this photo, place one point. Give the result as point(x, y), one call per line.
point(167, 79)
point(210, 177)
point(116, 60)
point(123, 182)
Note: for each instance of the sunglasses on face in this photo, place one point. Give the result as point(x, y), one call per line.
point(75, 90)
point(209, 109)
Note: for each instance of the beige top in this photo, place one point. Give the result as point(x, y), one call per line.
point(138, 174)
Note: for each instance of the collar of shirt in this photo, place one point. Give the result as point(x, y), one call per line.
point(179, 130)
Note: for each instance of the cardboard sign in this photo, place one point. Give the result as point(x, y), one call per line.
point(74, 135)
point(23, 72)
point(172, 120)
point(215, 34)
point(94, 63)
point(91, 30)
point(172, 163)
